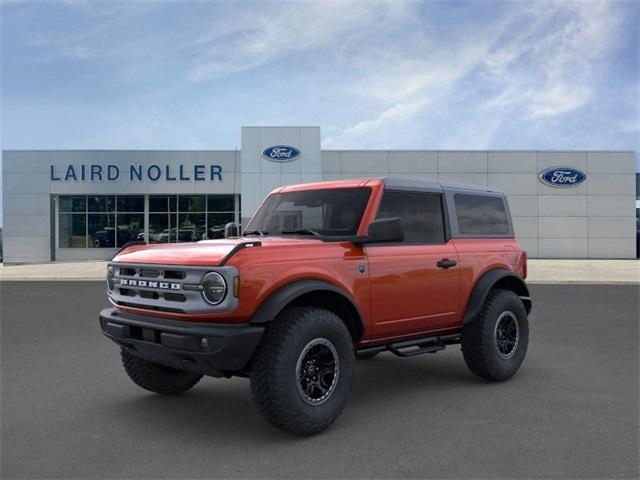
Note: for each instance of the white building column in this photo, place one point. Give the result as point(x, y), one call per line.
point(260, 173)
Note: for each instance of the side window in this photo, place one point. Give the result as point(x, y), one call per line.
point(421, 215)
point(481, 215)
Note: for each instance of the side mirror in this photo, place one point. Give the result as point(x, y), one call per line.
point(231, 229)
point(385, 230)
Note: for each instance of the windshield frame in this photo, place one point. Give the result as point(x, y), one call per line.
point(308, 231)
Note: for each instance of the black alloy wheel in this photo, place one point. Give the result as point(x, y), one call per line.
point(317, 371)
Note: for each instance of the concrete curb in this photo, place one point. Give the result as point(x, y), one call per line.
point(580, 282)
point(50, 279)
point(529, 282)
point(615, 272)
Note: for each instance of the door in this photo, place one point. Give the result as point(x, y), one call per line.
point(415, 283)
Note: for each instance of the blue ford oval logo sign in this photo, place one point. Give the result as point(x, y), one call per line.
point(562, 177)
point(281, 153)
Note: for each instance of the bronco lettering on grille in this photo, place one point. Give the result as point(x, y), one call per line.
point(130, 282)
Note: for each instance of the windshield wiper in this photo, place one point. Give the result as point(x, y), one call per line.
point(255, 232)
point(301, 231)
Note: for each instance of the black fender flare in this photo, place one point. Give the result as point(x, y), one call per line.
point(487, 282)
point(278, 300)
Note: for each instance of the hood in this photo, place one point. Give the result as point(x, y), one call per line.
point(204, 253)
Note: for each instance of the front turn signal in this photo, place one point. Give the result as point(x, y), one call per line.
point(236, 287)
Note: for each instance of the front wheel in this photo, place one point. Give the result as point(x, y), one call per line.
point(495, 343)
point(302, 371)
point(157, 378)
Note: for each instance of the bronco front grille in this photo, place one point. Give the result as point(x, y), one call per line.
point(166, 288)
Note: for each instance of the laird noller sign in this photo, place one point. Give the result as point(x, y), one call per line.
point(135, 173)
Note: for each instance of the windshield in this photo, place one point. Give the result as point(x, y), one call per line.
point(328, 212)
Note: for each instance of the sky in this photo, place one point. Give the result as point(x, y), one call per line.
point(373, 74)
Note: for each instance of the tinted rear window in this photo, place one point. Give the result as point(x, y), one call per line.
point(481, 215)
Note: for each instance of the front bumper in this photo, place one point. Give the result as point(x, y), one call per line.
point(181, 345)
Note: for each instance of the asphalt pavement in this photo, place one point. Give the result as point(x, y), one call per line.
point(69, 411)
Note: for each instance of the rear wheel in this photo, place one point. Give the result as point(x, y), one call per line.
point(157, 378)
point(495, 343)
point(302, 371)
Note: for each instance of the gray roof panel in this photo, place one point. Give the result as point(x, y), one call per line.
point(470, 188)
point(395, 183)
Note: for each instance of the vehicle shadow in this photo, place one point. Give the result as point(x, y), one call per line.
point(221, 408)
point(408, 375)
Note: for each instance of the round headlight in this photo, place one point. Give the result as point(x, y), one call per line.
point(214, 288)
point(111, 272)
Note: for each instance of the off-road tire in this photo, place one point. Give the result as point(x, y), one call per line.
point(274, 370)
point(157, 378)
point(479, 345)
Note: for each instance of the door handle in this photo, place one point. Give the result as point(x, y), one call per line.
point(446, 263)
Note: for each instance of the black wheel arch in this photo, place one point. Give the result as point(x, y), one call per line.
point(316, 293)
point(496, 278)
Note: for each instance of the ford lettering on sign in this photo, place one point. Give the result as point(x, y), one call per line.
point(281, 153)
point(562, 177)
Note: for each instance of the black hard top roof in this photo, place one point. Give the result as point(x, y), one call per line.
point(395, 183)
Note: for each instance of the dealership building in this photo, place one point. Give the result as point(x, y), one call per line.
point(62, 205)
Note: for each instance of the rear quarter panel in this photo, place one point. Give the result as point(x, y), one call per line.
point(477, 256)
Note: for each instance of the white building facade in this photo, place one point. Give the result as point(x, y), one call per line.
point(62, 205)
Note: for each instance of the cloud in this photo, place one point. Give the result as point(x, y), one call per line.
point(228, 38)
point(262, 37)
point(550, 68)
point(539, 60)
point(398, 113)
point(393, 74)
point(405, 88)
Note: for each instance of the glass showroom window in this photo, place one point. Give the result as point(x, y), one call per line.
point(189, 218)
point(162, 218)
point(192, 223)
point(100, 221)
point(130, 219)
point(220, 211)
point(72, 221)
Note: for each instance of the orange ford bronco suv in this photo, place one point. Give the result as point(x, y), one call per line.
point(325, 273)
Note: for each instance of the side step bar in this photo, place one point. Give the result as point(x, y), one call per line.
point(415, 346)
